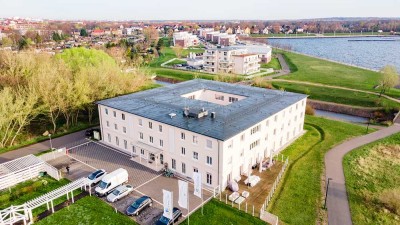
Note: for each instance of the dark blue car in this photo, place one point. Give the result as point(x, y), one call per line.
point(138, 205)
point(165, 221)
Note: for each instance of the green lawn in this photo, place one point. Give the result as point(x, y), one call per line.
point(338, 96)
point(88, 210)
point(31, 189)
point(168, 53)
point(315, 70)
point(373, 182)
point(298, 197)
point(274, 64)
point(219, 213)
point(180, 74)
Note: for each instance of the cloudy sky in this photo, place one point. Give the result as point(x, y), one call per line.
point(197, 10)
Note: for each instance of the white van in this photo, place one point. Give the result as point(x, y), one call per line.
point(111, 181)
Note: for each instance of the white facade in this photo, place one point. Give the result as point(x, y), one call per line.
point(230, 60)
point(185, 39)
point(155, 143)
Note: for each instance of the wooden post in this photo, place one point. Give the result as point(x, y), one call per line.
point(48, 207)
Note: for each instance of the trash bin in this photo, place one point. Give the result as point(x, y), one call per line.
point(41, 174)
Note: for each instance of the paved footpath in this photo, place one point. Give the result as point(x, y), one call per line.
point(68, 140)
point(337, 201)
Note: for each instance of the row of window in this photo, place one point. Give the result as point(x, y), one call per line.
point(183, 171)
point(196, 156)
point(116, 126)
point(115, 114)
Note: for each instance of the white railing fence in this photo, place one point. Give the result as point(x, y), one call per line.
point(275, 185)
point(12, 215)
point(53, 154)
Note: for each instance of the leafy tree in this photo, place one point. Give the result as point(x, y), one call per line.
point(23, 44)
point(389, 79)
point(83, 33)
point(38, 39)
point(6, 42)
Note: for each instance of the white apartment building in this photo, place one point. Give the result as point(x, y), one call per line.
point(230, 60)
point(185, 39)
point(215, 128)
point(203, 31)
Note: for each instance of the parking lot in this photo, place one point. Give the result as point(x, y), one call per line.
point(92, 155)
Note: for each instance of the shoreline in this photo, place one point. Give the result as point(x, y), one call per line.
point(337, 36)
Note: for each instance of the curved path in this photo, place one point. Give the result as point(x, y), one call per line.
point(337, 201)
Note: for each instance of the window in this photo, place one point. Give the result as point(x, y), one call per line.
point(302, 103)
point(134, 149)
point(195, 155)
point(191, 97)
point(274, 131)
point(297, 106)
point(209, 144)
point(254, 144)
point(108, 124)
point(151, 139)
point(125, 144)
point(183, 136)
point(183, 151)
point(123, 116)
point(219, 97)
point(276, 118)
point(106, 111)
point(183, 168)
point(161, 143)
point(267, 123)
point(174, 164)
point(140, 122)
point(209, 160)
point(195, 140)
point(209, 179)
point(142, 151)
point(195, 170)
point(141, 135)
point(233, 99)
point(115, 114)
point(109, 137)
point(124, 129)
point(160, 128)
point(115, 126)
point(150, 125)
point(255, 129)
point(242, 137)
point(117, 141)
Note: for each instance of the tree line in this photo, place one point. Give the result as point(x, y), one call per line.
point(57, 89)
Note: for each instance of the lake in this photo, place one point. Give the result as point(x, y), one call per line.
point(369, 52)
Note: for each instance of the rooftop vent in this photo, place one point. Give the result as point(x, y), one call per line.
point(213, 115)
point(172, 115)
point(195, 113)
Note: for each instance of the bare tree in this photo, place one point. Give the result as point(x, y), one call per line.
point(178, 50)
point(389, 79)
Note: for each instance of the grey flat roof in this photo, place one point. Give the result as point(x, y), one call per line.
point(156, 104)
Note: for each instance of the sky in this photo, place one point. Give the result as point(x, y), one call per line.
point(197, 10)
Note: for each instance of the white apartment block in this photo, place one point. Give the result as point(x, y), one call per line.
point(215, 128)
point(230, 60)
point(203, 31)
point(185, 39)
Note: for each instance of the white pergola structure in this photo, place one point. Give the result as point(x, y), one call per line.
point(23, 212)
point(24, 168)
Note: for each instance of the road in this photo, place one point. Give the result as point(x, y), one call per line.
point(337, 201)
point(63, 141)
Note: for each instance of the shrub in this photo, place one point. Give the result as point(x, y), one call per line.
point(310, 110)
point(4, 198)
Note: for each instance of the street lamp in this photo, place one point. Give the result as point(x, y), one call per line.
point(51, 145)
point(326, 194)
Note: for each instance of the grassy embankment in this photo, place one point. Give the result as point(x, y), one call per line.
point(373, 182)
point(318, 71)
point(88, 210)
point(218, 213)
point(274, 64)
point(298, 197)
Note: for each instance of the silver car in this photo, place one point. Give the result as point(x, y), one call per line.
point(119, 192)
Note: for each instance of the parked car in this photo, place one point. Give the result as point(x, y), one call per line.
point(96, 176)
point(111, 181)
point(137, 206)
point(177, 213)
point(119, 193)
point(89, 132)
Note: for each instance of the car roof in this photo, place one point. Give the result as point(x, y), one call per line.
point(141, 199)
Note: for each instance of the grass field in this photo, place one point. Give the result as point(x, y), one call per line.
point(274, 64)
point(168, 53)
point(315, 70)
point(175, 62)
point(180, 74)
point(298, 198)
point(218, 213)
point(338, 96)
point(373, 182)
point(88, 210)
